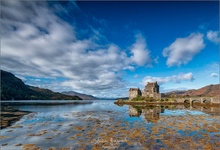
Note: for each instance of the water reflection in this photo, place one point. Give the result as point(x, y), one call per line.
point(104, 125)
point(151, 113)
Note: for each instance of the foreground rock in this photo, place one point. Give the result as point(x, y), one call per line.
point(10, 115)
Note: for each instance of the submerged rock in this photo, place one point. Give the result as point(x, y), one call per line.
point(31, 147)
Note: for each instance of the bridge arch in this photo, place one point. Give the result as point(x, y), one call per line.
point(195, 100)
point(206, 100)
point(201, 100)
point(187, 101)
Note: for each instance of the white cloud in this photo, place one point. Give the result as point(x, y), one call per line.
point(182, 50)
point(213, 36)
point(164, 90)
point(21, 77)
point(37, 43)
point(175, 78)
point(106, 80)
point(213, 74)
point(136, 75)
point(141, 55)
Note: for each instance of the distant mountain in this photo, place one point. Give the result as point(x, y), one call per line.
point(207, 91)
point(173, 93)
point(107, 98)
point(123, 98)
point(50, 95)
point(14, 88)
point(83, 96)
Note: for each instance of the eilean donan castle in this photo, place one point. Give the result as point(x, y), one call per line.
point(151, 90)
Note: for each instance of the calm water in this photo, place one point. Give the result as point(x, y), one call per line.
point(104, 125)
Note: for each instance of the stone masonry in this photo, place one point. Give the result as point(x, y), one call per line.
point(151, 90)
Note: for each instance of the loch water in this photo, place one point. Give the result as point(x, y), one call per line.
point(104, 125)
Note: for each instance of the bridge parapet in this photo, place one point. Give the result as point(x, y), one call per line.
point(213, 100)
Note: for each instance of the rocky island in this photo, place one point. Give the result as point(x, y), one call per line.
point(151, 95)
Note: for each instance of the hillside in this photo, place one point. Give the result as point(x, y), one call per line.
point(83, 96)
point(14, 88)
point(207, 91)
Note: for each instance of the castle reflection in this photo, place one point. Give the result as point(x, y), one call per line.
point(151, 114)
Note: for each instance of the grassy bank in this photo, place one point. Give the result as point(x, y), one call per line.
point(132, 102)
point(158, 102)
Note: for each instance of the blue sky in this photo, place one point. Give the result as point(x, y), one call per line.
point(104, 48)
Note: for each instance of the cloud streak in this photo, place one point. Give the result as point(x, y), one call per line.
point(38, 43)
point(175, 78)
point(213, 36)
point(214, 74)
point(182, 50)
point(141, 55)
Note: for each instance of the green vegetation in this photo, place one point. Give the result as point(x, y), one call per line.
point(167, 99)
point(120, 100)
point(146, 99)
point(151, 99)
point(13, 88)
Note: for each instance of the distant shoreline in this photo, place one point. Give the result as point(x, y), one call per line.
point(161, 103)
point(10, 114)
point(40, 103)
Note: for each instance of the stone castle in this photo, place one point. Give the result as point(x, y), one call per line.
point(151, 90)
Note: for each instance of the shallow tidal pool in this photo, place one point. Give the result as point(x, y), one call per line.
point(104, 125)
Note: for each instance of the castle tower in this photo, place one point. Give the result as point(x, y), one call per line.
point(134, 92)
point(152, 90)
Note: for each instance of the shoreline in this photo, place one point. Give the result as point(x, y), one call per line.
point(161, 103)
point(10, 115)
point(40, 103)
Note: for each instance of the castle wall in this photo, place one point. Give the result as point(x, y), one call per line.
point(151, 90)
point(151, 94)
point(134, 93)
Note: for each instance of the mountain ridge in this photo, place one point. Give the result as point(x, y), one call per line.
point(14, 88)
point(212, 90)
point(83, 96)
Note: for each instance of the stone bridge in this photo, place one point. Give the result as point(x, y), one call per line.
point(209, 110)
point(201, 100)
